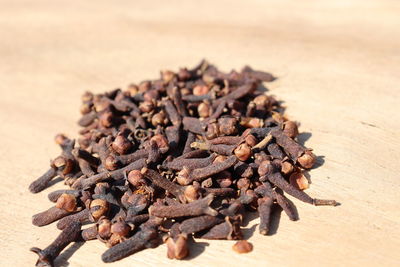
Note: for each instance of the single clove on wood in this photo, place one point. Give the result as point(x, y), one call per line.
point(183, 156)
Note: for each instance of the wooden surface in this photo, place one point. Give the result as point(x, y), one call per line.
point(338, 69)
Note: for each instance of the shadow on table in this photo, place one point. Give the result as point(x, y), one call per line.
point(62, 259)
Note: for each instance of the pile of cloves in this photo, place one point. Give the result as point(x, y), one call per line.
point(181, 157)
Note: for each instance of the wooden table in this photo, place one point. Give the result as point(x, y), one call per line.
point(338, 69)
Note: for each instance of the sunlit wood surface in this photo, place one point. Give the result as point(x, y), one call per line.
point(338, 64)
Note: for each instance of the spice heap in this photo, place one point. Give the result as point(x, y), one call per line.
point(184, 156)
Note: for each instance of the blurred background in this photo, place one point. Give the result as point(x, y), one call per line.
point(337, 64)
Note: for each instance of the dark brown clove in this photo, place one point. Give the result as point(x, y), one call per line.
point(51, 215)
point(195, 208)
point(230, 230)
point(242, 246)
point(290, 129)
point(137, 219)
point(264, 211)
point(193, 154)
point(81, 217)
point(236, 94)
point(221, 149)
point(89, 233)
point(154, 153)
point(275, 151)
point(190, 163)
point(260, 75)
point(178, 191)
point(172, 113)
point(146, 237)
point(67, 202)
point(41, 183)
point(287, 206)
point(277, 179)
point(128, 158)
point(197, 224)
point(116, 175)
point(173, 135)
point(177, 243)
point(226, 140)
point(297, 152)
point(187, 154)
point(220, 192)
point(136, 178)
point(47, 255)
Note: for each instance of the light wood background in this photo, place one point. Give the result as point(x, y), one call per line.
point(338, 64)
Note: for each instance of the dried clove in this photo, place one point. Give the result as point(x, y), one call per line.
point(264, 210)
point(116, 175)
point(197, 224)
point(90, 233)
point(183, 156)
point(242, 246)
point(177, 243)
point(191, 163)
point(187, 176)
point(277, 179)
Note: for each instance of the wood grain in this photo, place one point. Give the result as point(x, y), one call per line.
point(338, 69)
